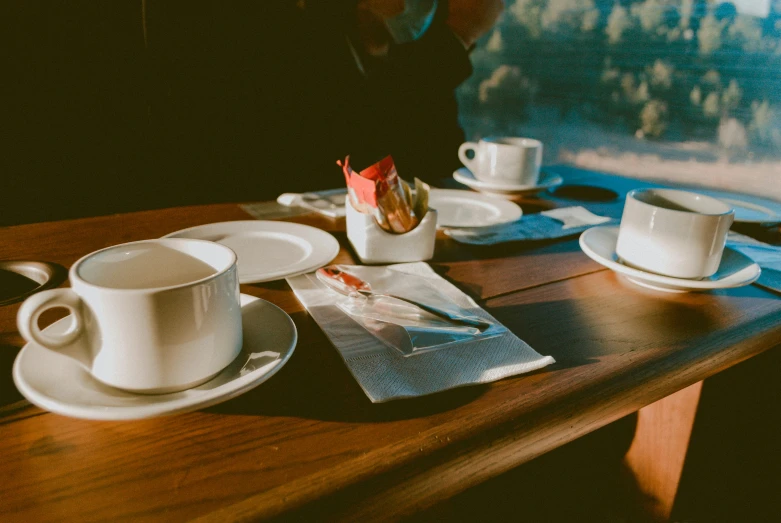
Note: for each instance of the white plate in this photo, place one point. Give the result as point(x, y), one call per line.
point(748, 208)
point(57, 383)
point(735, 270)
point(457, 208)
point(546, 181)
point(750, 212)
point(269, 250)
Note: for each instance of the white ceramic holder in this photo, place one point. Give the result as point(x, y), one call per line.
point(374, 245)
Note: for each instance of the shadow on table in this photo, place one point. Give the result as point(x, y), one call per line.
point(604, 322)
point(765, 233)
point(449, 250)
point(483, 280)
point(582, 481)
point(9, 396)
point(316, 384)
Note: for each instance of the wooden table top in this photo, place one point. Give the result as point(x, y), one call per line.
point(309, 439)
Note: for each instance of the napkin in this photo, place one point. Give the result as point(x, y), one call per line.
point(555, 223)
point(328, 203)
point(767, 256)
point(575, 217)
point(271, 210)
point(384, 374)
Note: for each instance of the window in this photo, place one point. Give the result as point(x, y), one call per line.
point(680, 90)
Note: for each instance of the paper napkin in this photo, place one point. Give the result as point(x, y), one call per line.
point(328, 203)
point(767, 256)
point(271, 210)
point(575, 217)
point(384, 374)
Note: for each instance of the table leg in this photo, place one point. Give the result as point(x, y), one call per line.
point(658, 451)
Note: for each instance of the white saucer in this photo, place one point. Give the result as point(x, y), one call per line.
point(458, 208)
point(546, 181)
point(735, 270)
point(57, 383)
point(269, 250)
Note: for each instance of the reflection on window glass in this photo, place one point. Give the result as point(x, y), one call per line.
point(681, 90)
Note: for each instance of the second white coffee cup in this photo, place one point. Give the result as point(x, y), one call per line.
point(504, 160)
point(674, 233)
point(153, 316)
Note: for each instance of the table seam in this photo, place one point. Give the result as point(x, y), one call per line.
point(537, 285)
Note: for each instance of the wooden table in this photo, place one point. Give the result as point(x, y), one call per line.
point(308, 440)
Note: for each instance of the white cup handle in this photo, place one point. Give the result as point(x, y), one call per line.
point(37, 304)
point(462, 150)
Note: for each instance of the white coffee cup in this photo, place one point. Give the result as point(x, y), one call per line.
point(504, 160)
point(674, 233)
point(152, 316)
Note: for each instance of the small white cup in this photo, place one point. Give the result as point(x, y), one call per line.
point(513, 160)
point(132, 331)
point(674, 233)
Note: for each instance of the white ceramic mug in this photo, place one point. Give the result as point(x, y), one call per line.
point(513, 160)
point(153, 316)
point(674, 233)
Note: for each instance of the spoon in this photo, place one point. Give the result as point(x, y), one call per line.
point(351, 285)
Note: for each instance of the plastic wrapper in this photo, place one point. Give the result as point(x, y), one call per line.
point(404, 326)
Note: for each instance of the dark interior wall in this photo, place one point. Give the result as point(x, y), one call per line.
point(124, 105)
point(76, 111)
point(233, 87)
